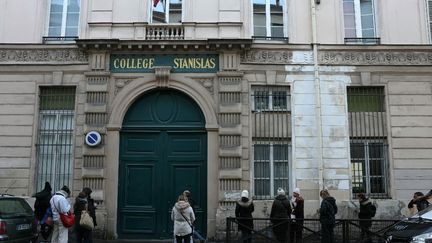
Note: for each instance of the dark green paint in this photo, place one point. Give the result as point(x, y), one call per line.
point(163, 151)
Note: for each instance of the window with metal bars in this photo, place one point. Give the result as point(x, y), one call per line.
point(271, 133)
point(368, 141)
point(54, 146)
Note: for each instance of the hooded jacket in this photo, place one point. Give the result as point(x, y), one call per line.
point(59, 203)
point(328, 211)
point(366, 213)
point(183, 217)
point(42, 201)
point(243, 210)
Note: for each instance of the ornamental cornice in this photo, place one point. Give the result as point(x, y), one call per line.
point(43, 56)
point(376, 57)
point(263, 56)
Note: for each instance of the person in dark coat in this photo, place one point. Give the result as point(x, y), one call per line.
point(280, 214)
point(243, 211)
point(419, 200)
point(83, 235)
point(297, 203)
point(327, 217)
point(91, 206)
point(42, 202)
point(367, 211)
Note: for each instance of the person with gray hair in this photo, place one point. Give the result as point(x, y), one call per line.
point(243, 213)
point(280, 214)
point(297, 203)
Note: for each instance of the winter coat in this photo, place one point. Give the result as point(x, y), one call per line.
point(298, 209)
point(91, 209)
point(328, 211)
point(244, 209)
point(181, 226)
point(281, 208)
point(366, 212)
point(59, 203)
point(42, 203)
point(79, 206)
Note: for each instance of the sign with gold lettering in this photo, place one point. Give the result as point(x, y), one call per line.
point(145, 63)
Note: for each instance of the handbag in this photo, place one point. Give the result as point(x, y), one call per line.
point(86, 220)
point(67, 219)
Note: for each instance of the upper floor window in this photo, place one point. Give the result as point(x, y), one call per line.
point(430, 17)
point(64, 18)
point(359, 20)
point(166, 11)
point(269, 19)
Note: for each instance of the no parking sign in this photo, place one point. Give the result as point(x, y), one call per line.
point(93, 138)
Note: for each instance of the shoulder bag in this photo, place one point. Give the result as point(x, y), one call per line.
point(86, 220)
point(67, 219)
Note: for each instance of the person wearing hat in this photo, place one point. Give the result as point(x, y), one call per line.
point(280, 214)
point(243, 213)
point(297, 203)
point(60, 204)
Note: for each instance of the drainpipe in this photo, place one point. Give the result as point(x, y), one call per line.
point(317, 87)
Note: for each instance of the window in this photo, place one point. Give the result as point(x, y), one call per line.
point(271, 168)
point(270, 99)
point(271, 135)
point(269, 19)
point(55, 136)
point(64, 18)
point(359, 19)
point(368, 141)
point(166, 11)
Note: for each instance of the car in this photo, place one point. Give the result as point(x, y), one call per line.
point(415, 229)
point(17, 220)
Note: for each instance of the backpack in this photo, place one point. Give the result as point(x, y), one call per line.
point(373, 209)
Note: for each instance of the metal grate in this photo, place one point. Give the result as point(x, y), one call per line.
point(54, 146)
point(368, 141)
point(271, 133)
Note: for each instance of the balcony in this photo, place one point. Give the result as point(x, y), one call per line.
point(363, 41)
point(164, 32)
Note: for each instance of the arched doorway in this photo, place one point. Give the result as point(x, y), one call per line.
point(163, 151)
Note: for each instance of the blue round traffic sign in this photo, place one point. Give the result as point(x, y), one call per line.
point(93, 138)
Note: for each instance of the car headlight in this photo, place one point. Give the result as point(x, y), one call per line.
point(422, 238)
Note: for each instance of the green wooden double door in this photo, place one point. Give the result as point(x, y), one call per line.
point(163, 151)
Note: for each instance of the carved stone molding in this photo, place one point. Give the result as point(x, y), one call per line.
point(375, 58)
point(162, 74)
point(277, 57)
point(120, 84)
point(37, 56)
point(206, 82)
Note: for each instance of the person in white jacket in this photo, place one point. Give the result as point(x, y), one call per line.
point(60, 203)
point(183, 217)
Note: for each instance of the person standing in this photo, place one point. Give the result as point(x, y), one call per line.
point(367, 212)
point(280, 214)
point(42, 202)
point(183, 217)
point(327, 217)
point(91, 208)
point(419, 200)
point(83, 235)
point(60, 204)
point(243, 211)
point(195, 234)
point(297, 203)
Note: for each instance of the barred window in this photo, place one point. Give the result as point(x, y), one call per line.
point(368, 141)
point(271, 122)
point(55, 136)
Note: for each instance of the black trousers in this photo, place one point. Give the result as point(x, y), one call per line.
point(327, 233)
point(83, 235)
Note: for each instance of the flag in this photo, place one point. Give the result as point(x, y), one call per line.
point(155, 3)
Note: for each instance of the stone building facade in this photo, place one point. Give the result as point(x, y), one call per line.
point(212, 104)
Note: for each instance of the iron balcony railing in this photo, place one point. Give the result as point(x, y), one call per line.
point(345, 231)
point(57, 39)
